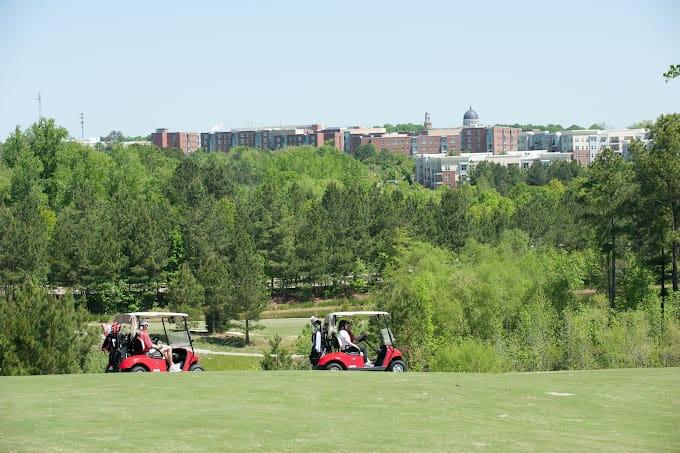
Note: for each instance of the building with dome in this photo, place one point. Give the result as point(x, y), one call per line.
point(470, 119)
point(476, 138)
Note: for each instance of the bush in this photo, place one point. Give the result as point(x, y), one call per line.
point(303, 343)
point(40, 334)
point(533, 344)
point(468, 355)
point(278, 357)
point(627, 342)
point(578, 338)
point(96, 361)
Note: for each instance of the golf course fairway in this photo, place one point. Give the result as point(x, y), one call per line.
point(607, 410)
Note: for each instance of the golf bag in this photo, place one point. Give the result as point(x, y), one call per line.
point(317, 350)
point(115, 345)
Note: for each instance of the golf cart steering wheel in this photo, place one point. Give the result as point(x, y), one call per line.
point(364, 338)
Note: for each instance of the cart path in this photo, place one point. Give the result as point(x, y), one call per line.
point(238, 354)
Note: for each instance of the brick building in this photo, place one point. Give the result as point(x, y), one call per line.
point(188, 142)
point(476, 138)
point(272, 138)
point(395, 143)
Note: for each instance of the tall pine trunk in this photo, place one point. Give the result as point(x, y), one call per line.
point(247, 332)
point(663, 279)
point(674, 250)
point(612, 297)
point(674, 272)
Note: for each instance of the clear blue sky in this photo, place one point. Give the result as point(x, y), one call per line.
point(137, 65)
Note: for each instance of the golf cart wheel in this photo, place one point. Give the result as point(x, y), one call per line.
point(334, 367)
point(196, 368)
point(138, 369)
point(397, 366)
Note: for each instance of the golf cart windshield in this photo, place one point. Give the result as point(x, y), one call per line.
point(374, 323)
point(170, 328)
point(177, 333)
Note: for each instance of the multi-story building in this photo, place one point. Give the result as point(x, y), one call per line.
point(588, 144)
point(620, 140)
point(395, 143)
point(272, 137)
point(440, 140)
point(188, 142)
point(434, 170)
point(429, 140)
point(537, 140)
point(490, 139)
point(584, 144)
point(216, 141)
point(353, 136)
point(476, 138)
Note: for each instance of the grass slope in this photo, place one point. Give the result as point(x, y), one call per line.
point(609, 410)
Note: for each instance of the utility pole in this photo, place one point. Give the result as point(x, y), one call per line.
point(39, 106)
point(82, 126)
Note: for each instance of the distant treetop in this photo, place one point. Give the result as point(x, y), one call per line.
point(405, 128)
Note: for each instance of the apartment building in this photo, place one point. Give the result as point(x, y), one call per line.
point(434, 170)
point(188, 142)
point(272, 137)
point(584, 144)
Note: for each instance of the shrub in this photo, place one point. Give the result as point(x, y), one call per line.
point(40, 334)
point(278, 357)
point(579, 337)
point(669, 342)
point(467, 355)
point(533, 344)
point(626, 342)
point(96, 361)
point(303, 343)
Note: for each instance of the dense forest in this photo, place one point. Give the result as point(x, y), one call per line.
point(556, 267)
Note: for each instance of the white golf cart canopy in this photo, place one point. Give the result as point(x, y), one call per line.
point(358, 313)
point(330, 328)
point(134, 317)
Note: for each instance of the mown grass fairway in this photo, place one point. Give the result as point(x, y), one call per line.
point(611, 410)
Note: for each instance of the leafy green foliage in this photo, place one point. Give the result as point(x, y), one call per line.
point(672, 73)
point(278, 357)
point(40, 334)
point(469, 356)
point(513, 307)
point(404, 128)
point(185, 293)
point(223, 231)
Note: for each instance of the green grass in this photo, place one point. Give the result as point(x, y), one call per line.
point(286, 327)
point(608, 410)
point(261, 332)
point(229, 363)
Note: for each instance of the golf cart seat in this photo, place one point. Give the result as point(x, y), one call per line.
point(136, 346)
point(335, 344)
point(154, 354)
point(381, 355)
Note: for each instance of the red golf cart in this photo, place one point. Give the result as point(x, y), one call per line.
point(378, 337)
point(126, 349)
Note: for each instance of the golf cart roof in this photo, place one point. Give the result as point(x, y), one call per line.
point(134, 317)
point(157, 314)
point(358, 313)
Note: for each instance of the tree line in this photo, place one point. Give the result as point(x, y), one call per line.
point(217, 234)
